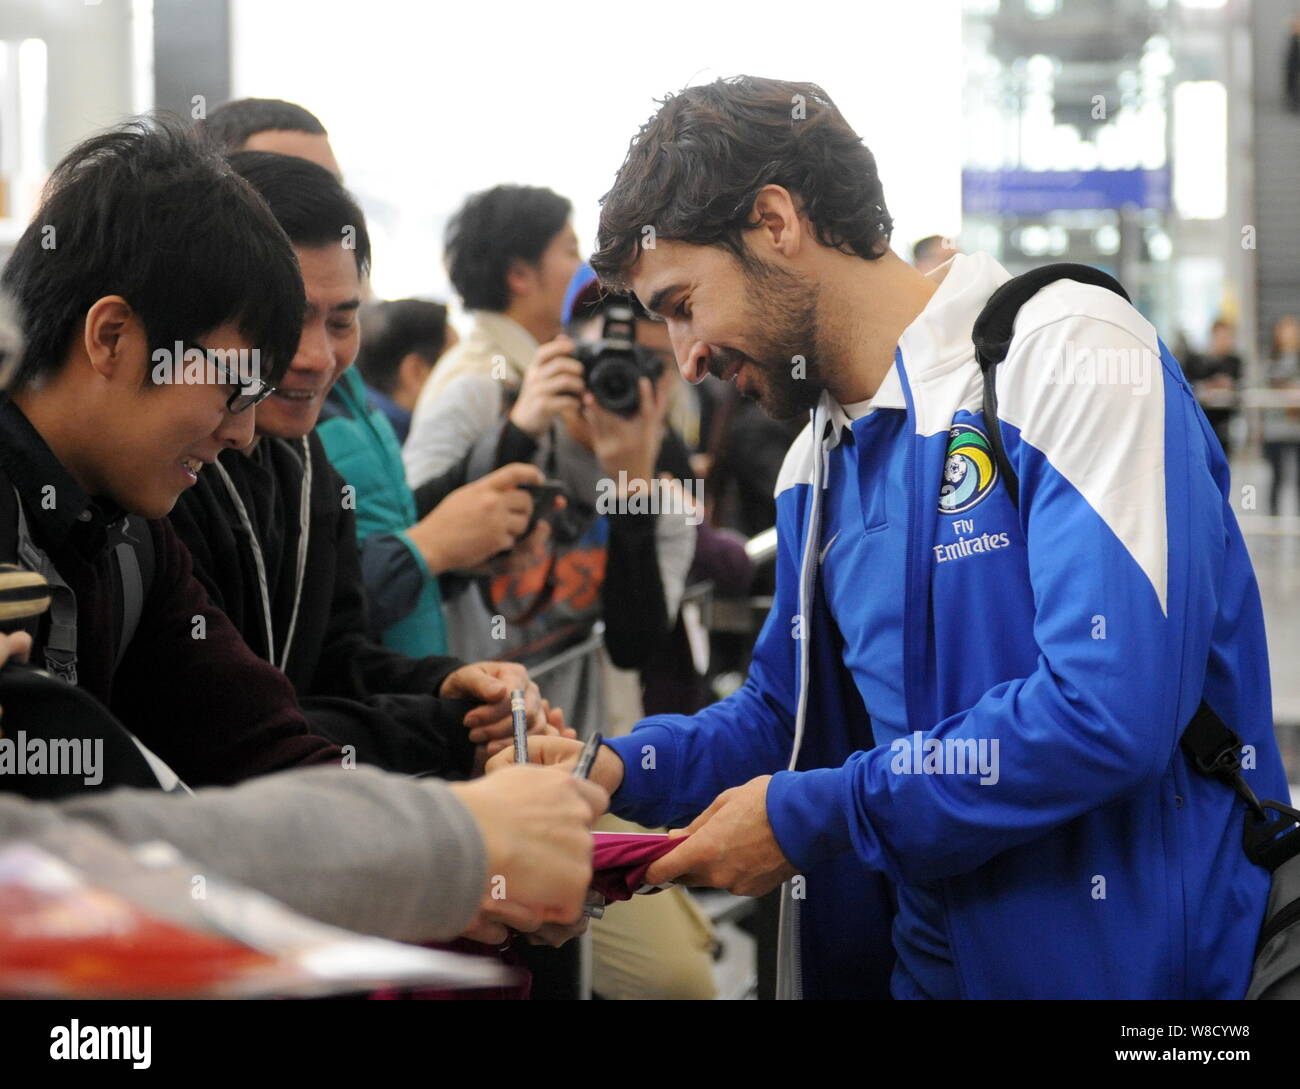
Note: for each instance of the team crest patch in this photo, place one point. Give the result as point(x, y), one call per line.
point(969, 471)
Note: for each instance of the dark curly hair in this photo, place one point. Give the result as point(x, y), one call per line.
point(694, 169)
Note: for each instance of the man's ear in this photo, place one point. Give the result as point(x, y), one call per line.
point(777, 218)
point(111, 330)
point(521, 278)
point(412, 372)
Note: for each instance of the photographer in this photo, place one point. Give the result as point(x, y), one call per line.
point(609, 559)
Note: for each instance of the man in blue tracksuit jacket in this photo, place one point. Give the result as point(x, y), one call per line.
point(979, 704)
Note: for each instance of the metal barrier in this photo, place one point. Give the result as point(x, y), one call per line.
point(720, 906)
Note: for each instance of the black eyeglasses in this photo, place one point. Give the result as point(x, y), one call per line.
point(247, 395)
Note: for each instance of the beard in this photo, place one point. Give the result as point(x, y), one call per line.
point(781, 317)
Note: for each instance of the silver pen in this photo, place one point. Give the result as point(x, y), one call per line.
point(520, 719)
point(582, 770)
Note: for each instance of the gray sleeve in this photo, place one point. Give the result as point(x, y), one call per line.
point(373, 852)
point(444, 429)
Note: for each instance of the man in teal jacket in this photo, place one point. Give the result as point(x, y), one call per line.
point(409, 538)
point(405, 606)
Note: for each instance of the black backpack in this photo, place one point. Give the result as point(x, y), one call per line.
point(80, 745)
point(1213, 748)
point(47, 720)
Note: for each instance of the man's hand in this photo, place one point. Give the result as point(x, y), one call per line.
point(628, 444)
point(493, 926)
point(552, 383)
point(527, 553)
point(477, 520)
point(551, 724)
point(491, 726)
point(536, 829)
point(731, 846)
point(607, 769)
point(490, 683)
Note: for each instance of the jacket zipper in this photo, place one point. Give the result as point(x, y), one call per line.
point(909, 474)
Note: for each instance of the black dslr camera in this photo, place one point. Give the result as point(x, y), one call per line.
point(614, 365)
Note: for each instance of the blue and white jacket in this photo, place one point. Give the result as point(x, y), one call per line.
point(1079, 632)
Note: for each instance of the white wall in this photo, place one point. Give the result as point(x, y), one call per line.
point(425, 105)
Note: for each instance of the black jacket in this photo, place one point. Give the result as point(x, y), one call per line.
point(206, 705)
point(354, 690)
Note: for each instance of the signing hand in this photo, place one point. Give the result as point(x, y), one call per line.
point(536, 830)
point(491, 726)
point(606, 770)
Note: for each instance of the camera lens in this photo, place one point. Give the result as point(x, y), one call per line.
point(613, 382)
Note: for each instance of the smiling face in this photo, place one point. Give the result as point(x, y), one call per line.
point(176, 430)
point(330, 339)
point(756, 326)
point(147, 443)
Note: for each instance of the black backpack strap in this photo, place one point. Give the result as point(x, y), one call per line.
point(992, 338)
point(1214, 749)
point(133, 567)
point(60, 647)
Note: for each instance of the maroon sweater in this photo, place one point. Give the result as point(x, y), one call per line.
point(208, 706)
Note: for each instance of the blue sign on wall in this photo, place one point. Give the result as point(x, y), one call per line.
point(1032, 192)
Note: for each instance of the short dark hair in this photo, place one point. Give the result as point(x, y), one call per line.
point(146, 211)
point(308, 202)
point(390, 331)
point(493, 228)
point(694, 169)
point(232, 123)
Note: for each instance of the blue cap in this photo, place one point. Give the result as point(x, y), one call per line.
point(581, 279)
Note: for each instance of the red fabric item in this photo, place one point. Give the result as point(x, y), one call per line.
point(620, 860)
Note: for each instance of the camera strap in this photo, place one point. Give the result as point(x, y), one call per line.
point(546, 593)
